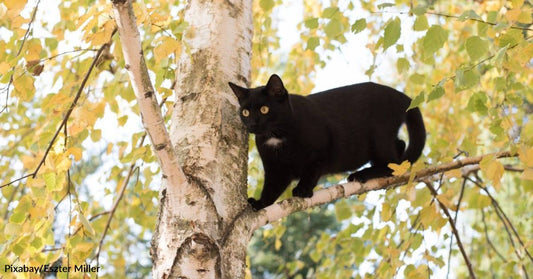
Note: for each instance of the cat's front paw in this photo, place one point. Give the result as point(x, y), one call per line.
point(256, 205)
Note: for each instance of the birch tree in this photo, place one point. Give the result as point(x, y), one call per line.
point(171, 202)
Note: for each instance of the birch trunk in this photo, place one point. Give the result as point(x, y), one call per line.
point(191, 235)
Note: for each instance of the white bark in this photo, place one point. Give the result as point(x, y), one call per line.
point(211, 144)
point(142, 86)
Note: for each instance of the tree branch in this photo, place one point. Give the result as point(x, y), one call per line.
point(454, 230)
point(152, 118)
point(286, 207)
point(24, 39)
point(67, 114)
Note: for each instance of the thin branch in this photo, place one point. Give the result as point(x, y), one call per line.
point(455, 221)
point(67, 115)
point(454, 230)
point(152, 118)
point(488, 238)
point(74, 102)
point(284, 208)
point(505, 220)
point(113, 209)
point(451, 16)
point(24, 39)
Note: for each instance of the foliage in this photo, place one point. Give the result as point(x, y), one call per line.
point(70, 127)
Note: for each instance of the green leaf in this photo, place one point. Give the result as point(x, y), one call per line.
point(51, 181)
point(417, 78)
point(402, 65)
point(359, 25)
point(330, 12)
point(342, 210)
point(470, 14)
point(419, 10)
point(17, 217)
point(510, 38)
point(311, 23)
point(333, 28)
point(266, 5)
point(465, 79)
point(435, 38)
point(500, 56)
point(477, 103)
point(312, 43)
point(421, 23)
point(436, 93)
point(86, 225)
point(392, 33)
point(476, 47)
point(385, 5)
point(416, 101)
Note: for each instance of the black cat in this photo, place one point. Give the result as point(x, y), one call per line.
point(333, 131)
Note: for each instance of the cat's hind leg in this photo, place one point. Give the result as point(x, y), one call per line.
point(381, 157)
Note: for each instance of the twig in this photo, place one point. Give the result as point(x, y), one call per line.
point(488, 239)
point(455, 221)
point(112, 211)
point(24, 39)
point(67, 115)
point(450, 16)
point(454, 230)
point(505, 220)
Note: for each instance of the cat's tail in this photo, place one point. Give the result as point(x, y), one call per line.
point(417, 135)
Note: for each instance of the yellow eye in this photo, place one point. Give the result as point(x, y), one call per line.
point(245, 112)
point(264, 109)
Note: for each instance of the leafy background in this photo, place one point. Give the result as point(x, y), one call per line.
point(89, 194)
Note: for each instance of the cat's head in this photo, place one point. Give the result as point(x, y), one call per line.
point(263, 109)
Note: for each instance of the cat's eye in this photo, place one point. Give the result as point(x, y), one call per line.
point(245, 112)
point(264, 109)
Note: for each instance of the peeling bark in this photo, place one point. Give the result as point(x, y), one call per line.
point(210, 142)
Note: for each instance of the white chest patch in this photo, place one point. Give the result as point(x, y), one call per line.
point(274, 142)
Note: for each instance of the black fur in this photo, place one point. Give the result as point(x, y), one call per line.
point(328, 132)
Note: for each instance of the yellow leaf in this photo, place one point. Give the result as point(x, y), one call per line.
point(103, 35)
point(38, 182)
point(454, 173)
point(76, 152)
point(167, 47)
point(512, 15)
point(400, 169)
point(63, 165)
point(4, 67)
point(34, 50)
point(492, 169)
point(386, 212)
point(277, 244)
point(526, 156)
point(15, 4)
point(24, 88)
point(527, 174)
point(109, 148)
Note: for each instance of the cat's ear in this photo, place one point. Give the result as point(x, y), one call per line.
point(275, 87)
point(240, 92)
